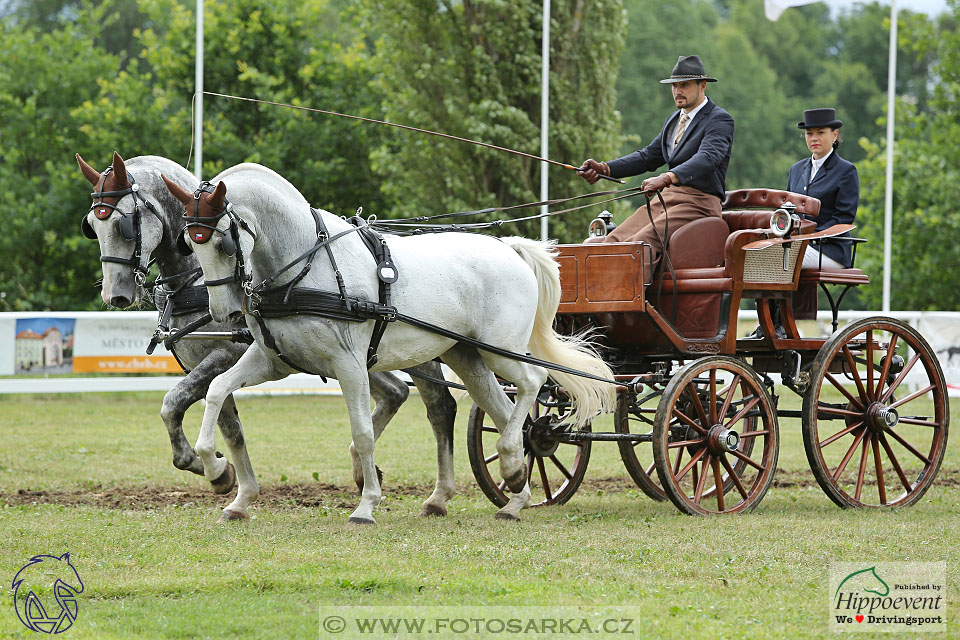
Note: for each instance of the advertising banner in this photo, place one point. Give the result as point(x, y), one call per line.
point(81, 342)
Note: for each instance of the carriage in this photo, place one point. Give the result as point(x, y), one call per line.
point(697, 412)
point(874, 411)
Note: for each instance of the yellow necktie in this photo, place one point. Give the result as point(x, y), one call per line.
point(684, 119)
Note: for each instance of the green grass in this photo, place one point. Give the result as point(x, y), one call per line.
point(173, 572)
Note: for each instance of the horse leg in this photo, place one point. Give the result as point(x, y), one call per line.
point(175, 404)
point(487, 392)
point(249, 490)
point(389, 392)
point(253, 367)
point(355, 384)
point(441, 412)
point(529, 380)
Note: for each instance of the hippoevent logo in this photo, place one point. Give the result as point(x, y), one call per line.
point(889, 596)
point(45, 593)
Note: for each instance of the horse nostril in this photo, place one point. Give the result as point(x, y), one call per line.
point(121, 302)
point(235, 317)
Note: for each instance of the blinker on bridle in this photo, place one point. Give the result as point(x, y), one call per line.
point(229, 242)
point(130, 223)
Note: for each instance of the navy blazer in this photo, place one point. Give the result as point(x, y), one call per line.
point(837, 186)
point(700, 159)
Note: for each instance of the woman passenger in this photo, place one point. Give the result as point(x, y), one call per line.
point(832, 180)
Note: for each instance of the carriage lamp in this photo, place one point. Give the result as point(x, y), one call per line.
point(784, 220)
point(602, 225)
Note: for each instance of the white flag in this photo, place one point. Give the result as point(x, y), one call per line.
point(775, 8)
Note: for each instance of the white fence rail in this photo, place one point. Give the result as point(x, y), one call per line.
point(36, 348)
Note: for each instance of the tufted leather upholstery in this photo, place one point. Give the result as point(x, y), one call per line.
point(770, 199)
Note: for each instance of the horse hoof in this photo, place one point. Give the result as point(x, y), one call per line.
point(356, 520)
point(360, 481)
point(229, 515)
point(226, 481)
point(506, 516)
point(428, 510)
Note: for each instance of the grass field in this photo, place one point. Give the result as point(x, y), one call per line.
point(91, 475)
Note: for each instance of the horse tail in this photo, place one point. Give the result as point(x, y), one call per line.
point(576, 352)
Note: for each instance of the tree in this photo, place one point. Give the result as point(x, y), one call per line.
point(47, 264)
point(926, 221)
point(472, 69)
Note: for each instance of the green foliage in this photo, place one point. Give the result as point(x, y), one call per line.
point(463, 70)
point(926, 221)
point(47, 264)
point(94, 76)
point(303, 53)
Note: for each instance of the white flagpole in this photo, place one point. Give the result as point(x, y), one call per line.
point(544, 116)
point(198, 108)
point(888, 188)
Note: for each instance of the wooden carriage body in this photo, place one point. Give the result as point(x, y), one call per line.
point(874, 413)
point(692, 310)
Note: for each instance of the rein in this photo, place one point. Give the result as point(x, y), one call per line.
point(565, 165)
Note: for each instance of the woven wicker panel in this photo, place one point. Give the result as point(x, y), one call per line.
point(766, 265)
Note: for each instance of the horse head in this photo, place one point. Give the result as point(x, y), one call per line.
point(119, 219)
point(222, 243)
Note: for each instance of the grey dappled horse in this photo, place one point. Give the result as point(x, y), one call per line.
point(151, 218)
point(500, 292)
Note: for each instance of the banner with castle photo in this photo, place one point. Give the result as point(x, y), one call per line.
point(81, 342)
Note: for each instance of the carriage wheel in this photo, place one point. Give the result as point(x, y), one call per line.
point(875, 386)
point(554, 469)
point(715, 427)
point(637, 457)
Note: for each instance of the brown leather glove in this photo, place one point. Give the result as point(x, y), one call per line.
point(591, 170)
point(658, 183)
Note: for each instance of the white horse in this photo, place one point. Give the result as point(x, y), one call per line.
point(131, 227)
point(501, 292)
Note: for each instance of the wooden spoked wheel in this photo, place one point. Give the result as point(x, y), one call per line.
point(635, 415)
point(876, 416)
point(555, 469)
point(715, 437)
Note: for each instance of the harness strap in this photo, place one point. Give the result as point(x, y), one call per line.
point(497, 350)
point(440, 381)
point(386, 275)
point(193, 326)
point(272, 344)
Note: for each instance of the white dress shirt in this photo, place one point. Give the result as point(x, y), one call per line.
point(691, 115)
point(816, 164)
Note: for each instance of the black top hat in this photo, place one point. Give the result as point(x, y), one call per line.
point(688, 68)
point(816, 118)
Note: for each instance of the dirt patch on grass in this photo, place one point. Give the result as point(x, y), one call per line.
point(319, 494)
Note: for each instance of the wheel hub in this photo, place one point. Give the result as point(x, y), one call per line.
point(722, 440)
point(541, 437)
point(881, 418)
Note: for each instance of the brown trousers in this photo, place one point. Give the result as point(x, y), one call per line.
point(684, 205)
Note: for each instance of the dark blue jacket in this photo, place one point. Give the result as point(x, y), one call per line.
point(837, 186)
point(699, 161)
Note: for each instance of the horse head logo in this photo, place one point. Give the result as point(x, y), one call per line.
point(865, 580)
point(45, 593)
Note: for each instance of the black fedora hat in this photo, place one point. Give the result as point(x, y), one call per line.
point(816, 118)
point(688, 68)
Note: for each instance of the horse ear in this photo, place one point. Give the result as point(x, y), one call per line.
point(218, 197)
point(177, 191)
point(120, 171)
point(89, 172)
